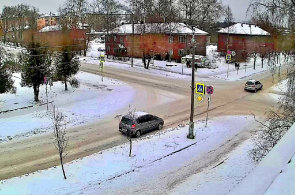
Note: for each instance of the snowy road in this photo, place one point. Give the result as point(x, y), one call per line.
point(166, 97)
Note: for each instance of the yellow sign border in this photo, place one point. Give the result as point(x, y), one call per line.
point(202, 93)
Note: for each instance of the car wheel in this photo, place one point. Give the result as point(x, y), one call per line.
point(137, 134)
point(160, 126)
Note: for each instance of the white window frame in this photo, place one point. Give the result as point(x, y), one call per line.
point(181, 39)
point(171, 39)
point(108, 48)
point(115, 38)
point(122, 40)
point(170, 51)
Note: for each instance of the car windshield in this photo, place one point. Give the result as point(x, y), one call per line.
point(126, 120)
point(250, 83)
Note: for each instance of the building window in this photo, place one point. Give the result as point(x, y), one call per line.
point(121, 40)
point(108, 38)
point(108, 48)
point(115, 38)
point(171, 38)
point(181, 52)
point(181, 39)
point(170, 52)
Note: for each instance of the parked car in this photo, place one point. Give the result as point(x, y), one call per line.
point(253, 85)
point(139, 123)
point(200, 61)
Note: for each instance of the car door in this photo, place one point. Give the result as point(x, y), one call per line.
point(143, 124)
point(256, 85)
point(149, 123)
point(153, 122)
point(259, 85)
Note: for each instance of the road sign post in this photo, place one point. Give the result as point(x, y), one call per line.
point(209, 99)
point(209, 90)
point(227, 59)
point(245, 66)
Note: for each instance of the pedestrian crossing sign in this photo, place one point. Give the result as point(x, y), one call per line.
point(200, 88)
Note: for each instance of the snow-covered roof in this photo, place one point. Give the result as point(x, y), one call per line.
point(58, 27)
point(174, 28)
point(50, 28)
point(49, 15)
point(244, 29)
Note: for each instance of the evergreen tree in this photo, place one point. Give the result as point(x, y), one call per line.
point(66, 65)
point(35, 67)
point(6, 83)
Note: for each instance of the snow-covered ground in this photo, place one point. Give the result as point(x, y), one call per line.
point(275, 174)
point(20, 116)
point(277, 91)
point(112, 171)
point(179, 70)
point(107, 172)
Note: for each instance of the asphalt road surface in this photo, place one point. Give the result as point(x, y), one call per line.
point(165, 97)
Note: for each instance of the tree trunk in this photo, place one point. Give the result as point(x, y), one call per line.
point(254, 62)
point(130, 147)
point(148, 64)
point(262, 59)
point(66, 86)
point(62, 166)
point(36, 93)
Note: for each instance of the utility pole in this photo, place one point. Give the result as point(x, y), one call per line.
point(191, 123)
point(132, 43)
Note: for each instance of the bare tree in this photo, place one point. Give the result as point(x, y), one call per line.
point(278, 121)
point(131, 114)
point(73, 13)
point(203, 13)
point(277, 11)
point(61, 140)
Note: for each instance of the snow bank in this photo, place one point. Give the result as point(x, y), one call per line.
point(112, 170)
point(21, 117)
point(266, 177)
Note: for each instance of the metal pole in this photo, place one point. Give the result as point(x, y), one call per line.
point(132, 43)
point(191, 123)
point(207, 111)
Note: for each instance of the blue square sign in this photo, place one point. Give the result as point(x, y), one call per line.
point(200, 88)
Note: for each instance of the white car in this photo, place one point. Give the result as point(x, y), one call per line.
point(253, 85)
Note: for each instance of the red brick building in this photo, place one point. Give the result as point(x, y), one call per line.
point(244, 39)
point(157, 39)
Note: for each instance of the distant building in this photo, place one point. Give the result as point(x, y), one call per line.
point(158, 39)
point(55, 37)
point(244, 39)
point(47, 20)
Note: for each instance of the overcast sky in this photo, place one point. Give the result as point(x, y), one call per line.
point(239, 7)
